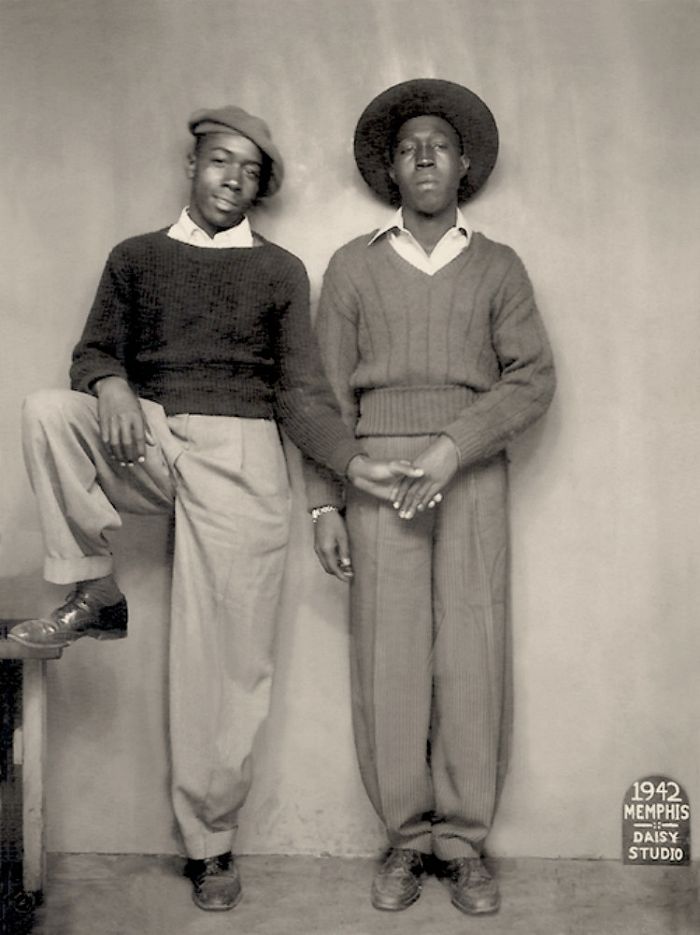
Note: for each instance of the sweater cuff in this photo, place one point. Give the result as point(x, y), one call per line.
point(341, 457)
point(471, 446)
point(85, 382)
point(322, 487)
point(322, 493)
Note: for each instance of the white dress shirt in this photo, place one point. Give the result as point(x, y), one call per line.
point(186, 231)
point(450, 245)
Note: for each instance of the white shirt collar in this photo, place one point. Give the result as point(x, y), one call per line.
point(395, 223)
point(187, 231)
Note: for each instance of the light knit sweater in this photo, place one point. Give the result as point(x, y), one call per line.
point(214, 332)
point(461, 353)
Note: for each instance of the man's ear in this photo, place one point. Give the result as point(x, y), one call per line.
point(191, 165)
point(464, 165)
point(392, 175)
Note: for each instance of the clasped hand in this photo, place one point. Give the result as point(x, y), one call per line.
point(438, 464)
point(411, 486)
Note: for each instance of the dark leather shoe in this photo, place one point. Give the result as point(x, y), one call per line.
point(216, 885)
point(397, 883)
point(473, 889)
point(83, 614)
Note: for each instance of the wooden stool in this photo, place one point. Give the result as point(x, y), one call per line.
point(22, 759)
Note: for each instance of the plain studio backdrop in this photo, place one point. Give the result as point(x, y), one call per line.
point(597, 189)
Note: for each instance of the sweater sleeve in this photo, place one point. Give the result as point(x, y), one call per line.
point(100, 352)
point(336, 327)
point(527, 379)
point(305, 405)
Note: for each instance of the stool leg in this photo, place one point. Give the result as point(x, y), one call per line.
point(33, 761)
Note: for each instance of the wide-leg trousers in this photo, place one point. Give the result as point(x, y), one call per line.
point(430, 657)
point(226, 481)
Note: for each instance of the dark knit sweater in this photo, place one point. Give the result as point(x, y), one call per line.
point(214, 332)
point(461, 353)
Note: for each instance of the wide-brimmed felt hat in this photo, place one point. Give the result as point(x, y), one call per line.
point(383, 117)
point(226, 119)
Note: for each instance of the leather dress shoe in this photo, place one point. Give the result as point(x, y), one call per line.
point(397, 883)
point(216, 884)
point(473, 889)
point(83, 614)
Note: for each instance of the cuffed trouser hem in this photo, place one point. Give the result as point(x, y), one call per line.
point(79, 488)
point(70, 570)
point(421, 843)
point(198, 847)
point(454, 849)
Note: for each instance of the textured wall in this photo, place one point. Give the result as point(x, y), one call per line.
point(597, 188)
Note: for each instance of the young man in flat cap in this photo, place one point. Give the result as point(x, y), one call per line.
point(434, 346)
point(197, 344)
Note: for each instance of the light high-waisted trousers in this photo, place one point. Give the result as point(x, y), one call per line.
point(430, 657)
point(226, 480)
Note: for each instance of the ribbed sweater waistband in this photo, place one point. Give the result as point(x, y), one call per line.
point(411, 410)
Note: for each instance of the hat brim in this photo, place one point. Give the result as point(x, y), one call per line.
point(463, 110)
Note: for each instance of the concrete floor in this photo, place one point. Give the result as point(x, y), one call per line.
point(134, 895)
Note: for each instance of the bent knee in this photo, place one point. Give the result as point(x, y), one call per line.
point(46, 406)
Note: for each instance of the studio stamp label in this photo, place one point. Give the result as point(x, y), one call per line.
point(656, 823)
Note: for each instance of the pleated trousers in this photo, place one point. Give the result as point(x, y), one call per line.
point(430, 657)
point(226, 481)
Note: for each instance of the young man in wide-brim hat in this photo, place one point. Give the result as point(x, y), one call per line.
point(434, 346)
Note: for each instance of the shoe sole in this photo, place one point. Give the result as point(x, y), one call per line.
point(95, 634)
point(106, 634)
point(206, 908)
point(395, 907)
point(475, 911)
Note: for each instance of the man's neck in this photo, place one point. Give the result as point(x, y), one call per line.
point(429, 229)
point(188, 230)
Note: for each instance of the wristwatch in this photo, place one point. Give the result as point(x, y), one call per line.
point(320, 510)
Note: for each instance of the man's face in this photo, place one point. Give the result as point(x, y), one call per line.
point(428, 164)
point(225, 172)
